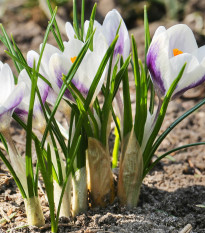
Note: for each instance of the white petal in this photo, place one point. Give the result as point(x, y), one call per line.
point(177, 63)
point(58, 66)
point(200, 54)
point(1, 65)
point(31, 56)
point(100, 46)
point(69, 31)
point(49, 50)
point(10, 104)
point(181, 37)
point(160, 29)
point(110, 26)
point(72, 48)
point(158, 62)
point(193, 76)
point(6, 82)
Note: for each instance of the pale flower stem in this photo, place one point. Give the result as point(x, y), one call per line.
point(157, 113)
point(65, 209)
point(34, 211)
point(119, 106)
point(17, 162)
point(79, 201)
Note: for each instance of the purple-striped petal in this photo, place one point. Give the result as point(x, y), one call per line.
point(154, 70)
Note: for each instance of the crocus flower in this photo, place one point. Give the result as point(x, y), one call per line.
point(60, 64)
point(168, 52)
point(108, 29)
point(10, 95)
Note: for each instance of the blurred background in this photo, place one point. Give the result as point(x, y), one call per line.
point(28, 19)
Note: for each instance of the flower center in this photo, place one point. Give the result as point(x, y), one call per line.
point(73, 59)
point(177, 52)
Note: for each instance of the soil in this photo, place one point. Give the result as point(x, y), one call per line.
point(170, 194)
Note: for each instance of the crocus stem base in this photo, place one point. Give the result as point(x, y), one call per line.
point(34, 211)
point(80, 197)
point(65, 209)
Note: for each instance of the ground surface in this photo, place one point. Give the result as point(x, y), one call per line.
point(169, 194)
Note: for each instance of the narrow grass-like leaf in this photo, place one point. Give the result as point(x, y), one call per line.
point(4, 142)
point(116, 147)
point(55, 23)
point(151, 106)
point(143, 104)
point(29, 165)
point(174, 124)
point(137, 83)
point(82, 18)
point(116, 123)
point(120, 74)
point(169, 152)
point(127, 119)
point(10, 47)
point(75, 19)
point(11, 170)
point(60, 45)
point(147, 155)
point(91, 23)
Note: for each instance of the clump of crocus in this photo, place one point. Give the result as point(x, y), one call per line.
point(176, 64)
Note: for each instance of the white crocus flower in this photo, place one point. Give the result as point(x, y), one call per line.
point(108, 29)
point(168, 52)
point(60, 64)
point(10, 95)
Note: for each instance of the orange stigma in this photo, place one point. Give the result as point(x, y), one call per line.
point(73, 59)
point(177, 52)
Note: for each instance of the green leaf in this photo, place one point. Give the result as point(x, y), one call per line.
point(10, 47)
point(169, 152)
point(137, 84)
point(143, 104)
point(29, 165)
point(75, 19)
point(116, 147)
point(174, 124)
point(127, 124)
point(90, 28)
point(55, 24)
point(82, 18)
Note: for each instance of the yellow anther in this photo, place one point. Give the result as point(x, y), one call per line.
point(177, 52)
point(73, 59)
